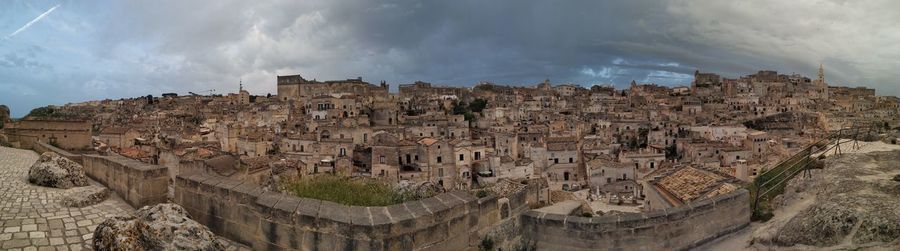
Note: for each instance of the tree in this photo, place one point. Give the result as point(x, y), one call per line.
point(460, 108)
point(45, 111)
point(478, 105)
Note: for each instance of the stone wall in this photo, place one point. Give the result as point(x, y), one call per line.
point(243, 212)
point(138, 183)
point(670, 229)
point(41, 147)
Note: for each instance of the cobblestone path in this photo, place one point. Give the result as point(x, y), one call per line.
point(32, 218)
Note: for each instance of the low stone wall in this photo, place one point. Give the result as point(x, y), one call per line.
point(241, 211)
point(140, 184)
point(671, 229)
point(41, 147)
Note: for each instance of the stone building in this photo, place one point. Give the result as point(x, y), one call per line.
point(67, 134)
point(295, 87)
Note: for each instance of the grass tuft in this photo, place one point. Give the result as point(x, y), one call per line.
point(348, 191)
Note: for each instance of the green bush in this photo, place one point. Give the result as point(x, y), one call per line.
point(486, 243)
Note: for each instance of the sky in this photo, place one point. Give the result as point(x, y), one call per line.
point(56, 52)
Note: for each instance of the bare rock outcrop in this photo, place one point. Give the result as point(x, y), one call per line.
point(85, 196)
point(856, 206)
point(52, 170)
point(160, 227)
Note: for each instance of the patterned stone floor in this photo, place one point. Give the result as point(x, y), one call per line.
point(32, 218)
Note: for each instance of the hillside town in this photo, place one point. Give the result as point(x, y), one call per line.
point(641, 148)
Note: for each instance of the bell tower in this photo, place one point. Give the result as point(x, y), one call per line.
point(821, 79)
point(820, 86)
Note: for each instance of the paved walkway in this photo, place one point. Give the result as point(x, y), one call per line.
point(32, 218)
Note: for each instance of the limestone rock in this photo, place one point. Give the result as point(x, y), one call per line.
point(855, 205)
point(52, 170)
point(160, 227)
point(86, 196)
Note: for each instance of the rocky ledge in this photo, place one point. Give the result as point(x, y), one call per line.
point(855, 205)
point(160, 227)
point(52, 170)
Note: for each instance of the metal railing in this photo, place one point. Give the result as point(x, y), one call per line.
point(773, 181)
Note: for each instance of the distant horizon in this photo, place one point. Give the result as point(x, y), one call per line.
point(57, 52)
point(393, 88)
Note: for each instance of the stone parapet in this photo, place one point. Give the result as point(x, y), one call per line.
point(670, 229)
point(138, 183)
point(243, 212)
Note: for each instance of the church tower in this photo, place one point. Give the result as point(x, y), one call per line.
point(821, 79)
point(820, 86)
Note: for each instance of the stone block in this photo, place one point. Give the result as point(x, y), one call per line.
point(208, 186)
point(677, 213)
point(307, 212)
point(403, 220)
point(463, 195)
point(246, 193)
point(578, 223)
point(400, 242)
point(239, 232)
point(265, 203)
point(423, 218)
point(630, 220)
point(306, 239)
point(282, 235)
point(285, 209)
point(430, 235)
point(223, 189)
point(333, 218)
point(381, 222)
point(437, 208)
point(554, 220)
point(246, 215)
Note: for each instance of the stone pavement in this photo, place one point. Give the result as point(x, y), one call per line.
point(32, 217)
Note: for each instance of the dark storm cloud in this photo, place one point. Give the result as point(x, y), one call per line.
point(133, 47)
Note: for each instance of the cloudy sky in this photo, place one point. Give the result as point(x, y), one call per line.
point(55, 52)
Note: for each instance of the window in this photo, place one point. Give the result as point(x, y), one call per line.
point(570, 160)
point(556, 161)
point(439, 159)
point(652, 165)
point(462, 157)
point(342, 152)
point(416, 158)
point(381, 160)
point(477, 155)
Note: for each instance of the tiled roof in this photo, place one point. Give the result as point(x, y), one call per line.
point(690, 183)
